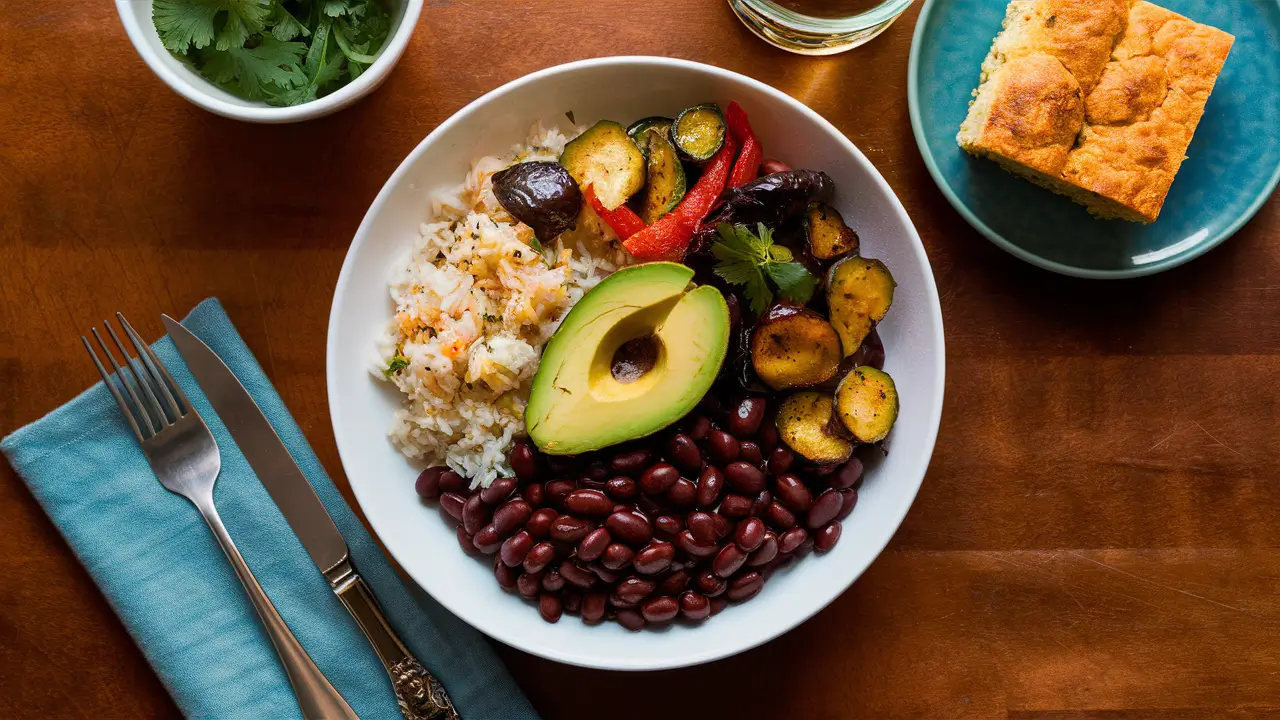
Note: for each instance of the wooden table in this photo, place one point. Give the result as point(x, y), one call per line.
point(1097, 536)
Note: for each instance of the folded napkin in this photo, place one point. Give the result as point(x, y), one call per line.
point(161, 569)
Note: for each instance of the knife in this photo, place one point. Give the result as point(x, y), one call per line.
point(418, 692)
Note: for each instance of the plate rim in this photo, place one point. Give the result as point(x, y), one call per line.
point(917, 130)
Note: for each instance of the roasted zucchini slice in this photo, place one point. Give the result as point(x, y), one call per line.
point(804, 424)
point(666, 180)
point(604, 157)
point(792, 346)
point(867, 404)
point(637, 130)
point(859, 293)
point(698, 132)
point(829, 237)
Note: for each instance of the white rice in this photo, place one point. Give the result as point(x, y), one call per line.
point(474, 306)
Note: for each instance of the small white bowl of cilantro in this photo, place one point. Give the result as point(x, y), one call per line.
point(271, 61)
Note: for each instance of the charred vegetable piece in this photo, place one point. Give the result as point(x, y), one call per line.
point(604, 157)
point(867, 404)
point(638, 129)
point(859, 293)
point(669, 238)
point(804, 424)
point(793, 346)
point(829, 237)
point(666, 181)
point(542, 195)
point(747, 166)
point(698, 132)
point(771, 200)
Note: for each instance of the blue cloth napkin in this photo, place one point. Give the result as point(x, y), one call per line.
point(161, 569)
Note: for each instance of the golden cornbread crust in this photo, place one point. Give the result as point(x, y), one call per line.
point(1095, 99)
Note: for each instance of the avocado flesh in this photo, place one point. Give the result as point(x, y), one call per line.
point(577, 405)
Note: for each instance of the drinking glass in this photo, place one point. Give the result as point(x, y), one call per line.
point(818, 27)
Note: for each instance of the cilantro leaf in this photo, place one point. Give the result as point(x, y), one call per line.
point(285, 26)
point(794, 280)
point(398, 363)
point(334, 8)
point(747, 259)
point(252, 71)
point(243, 18)
point(184, 23)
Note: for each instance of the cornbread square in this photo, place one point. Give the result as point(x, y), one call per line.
point(1095, 99)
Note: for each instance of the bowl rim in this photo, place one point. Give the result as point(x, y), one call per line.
point(387, 58)
point(933, 309)
point(922, 142)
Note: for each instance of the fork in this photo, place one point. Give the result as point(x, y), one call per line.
point(184, 456)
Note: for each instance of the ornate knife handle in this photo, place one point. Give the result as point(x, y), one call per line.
point(419, 694)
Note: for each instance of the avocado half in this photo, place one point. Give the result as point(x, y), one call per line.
point(591, 392)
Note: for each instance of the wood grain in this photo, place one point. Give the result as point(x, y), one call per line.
point(1097, 535)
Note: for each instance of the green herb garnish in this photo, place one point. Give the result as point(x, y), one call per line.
point(284, 52)
point(491, 318)
point(753, 261)
point(398, 363)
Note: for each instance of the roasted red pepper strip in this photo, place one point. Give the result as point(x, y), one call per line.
point(622, 219)
point(748, 166)
point(668, 238)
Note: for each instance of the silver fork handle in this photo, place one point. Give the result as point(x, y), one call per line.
point(317, 698)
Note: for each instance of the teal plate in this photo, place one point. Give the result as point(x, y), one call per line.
point(1233, 163)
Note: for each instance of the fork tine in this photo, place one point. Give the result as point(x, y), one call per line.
point(157, 369)
point(106, 380)
point(140, 377)
point(123, 379)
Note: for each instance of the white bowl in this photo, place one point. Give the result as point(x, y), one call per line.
point(624, 89)
point(136, 16)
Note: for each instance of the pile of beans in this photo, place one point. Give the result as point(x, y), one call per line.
point(675, 525)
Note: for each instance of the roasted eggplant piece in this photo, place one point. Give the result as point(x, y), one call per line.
point(829, 237)
point(792, 346)
point(698, 132)
point(859, 293)
point(638, 129)
point(771, 200)
point(605, 158)
point(542, 195)
point(866, 404)
point(804, 424)
point(666, 180)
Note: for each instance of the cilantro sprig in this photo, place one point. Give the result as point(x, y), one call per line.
point(755, 262)
point(284, 52)
point(398, 363)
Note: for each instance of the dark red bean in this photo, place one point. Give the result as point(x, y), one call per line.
point(630, 619)
point(667, 527)
point(586, 483)
point(623, 508)
point(764, 554)
point(654, 558)
point(735, 506)
point(597, 470)
point(718, 604)
point(539, 525)
point(593, 545)
point(588, 502)
point(506, 576)
point(848, 501)
point(750, 534)
point(617, 556)
point(516, 548)
point(703, 528)
point(452, 482)
point(633, 589)
point(593, 607)
point(467, 542)
point(694, 606)
point(722, 446)
point(847, 476)
point(607, 576)
point(562, 465)
point(710, 485)
point(722, 524)
point(576, 575)
point(523, 462)
point(621, 488)
point(631, 462)
point(683, 452)
point(768, 436)
point(744, 477)
point(745, 586)
point(686, 542)
point(568, 528)
point(745, 419)
point(658, 478)
point(558, 490)
point(529, 584)
point(475, 514)
point(534, 494)
point(675, 583)
point(728, 561)
point(780, 461)
point(791, 539)
point(552, 581)
point(619, 603)
point(682, 494)
point(751, 453)
point(709, 584)
point(648, 506)
point(488, 540)
point(451, 505)
point(550, 607)
point(779, 518)
point(538, 557)
point(572, 599)
point(761, 503)
point(793, 493)
point(498, 490)
point(699, 428)
point(428, 483)
point(660, 609)
point(827, 537)
point(631, 528)
point(510, 516)
point(825, 509)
